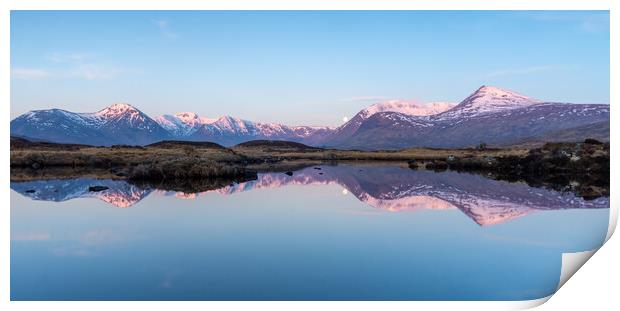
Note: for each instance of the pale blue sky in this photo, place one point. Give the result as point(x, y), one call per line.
point(297, 67)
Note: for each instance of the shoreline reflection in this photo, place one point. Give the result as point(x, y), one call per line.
point(389, 188)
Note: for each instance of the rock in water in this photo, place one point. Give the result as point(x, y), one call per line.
point(97, 188)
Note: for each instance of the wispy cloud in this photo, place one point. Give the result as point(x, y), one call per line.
point(72, 251)
point(30, 73)
point(164, 28)
point(69, 66)
point(57, 57)
point(518, 71)
point(94, 72)
point(82, 71)
point(364, 99)
point(32, 236)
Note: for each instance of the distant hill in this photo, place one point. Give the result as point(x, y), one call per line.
point(23, 143)
point(171, 144)
point(279, 144)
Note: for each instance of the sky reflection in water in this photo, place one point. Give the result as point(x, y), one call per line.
point(341, 232)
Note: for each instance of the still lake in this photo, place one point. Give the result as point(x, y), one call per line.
point(325, 233)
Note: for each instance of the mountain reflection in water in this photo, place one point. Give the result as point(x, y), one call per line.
point(389, 188)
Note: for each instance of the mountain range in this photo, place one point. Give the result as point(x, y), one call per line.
point(489, 115)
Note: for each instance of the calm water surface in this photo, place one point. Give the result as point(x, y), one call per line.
point(334, 233)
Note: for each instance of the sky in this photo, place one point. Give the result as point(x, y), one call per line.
point(300, 67)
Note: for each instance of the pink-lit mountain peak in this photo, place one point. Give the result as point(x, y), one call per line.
point(490, 97)
point(119, 199)
point(116, 110)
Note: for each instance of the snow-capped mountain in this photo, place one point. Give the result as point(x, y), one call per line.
point(124, 124)
point(116, 124)
point(490, 115)
point(408, 108)
point(59, 126)
point(485, 100)
point(227, 130)
point(182, 124)
point(128, 125)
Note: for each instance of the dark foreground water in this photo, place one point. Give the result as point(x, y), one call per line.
point(334, 233)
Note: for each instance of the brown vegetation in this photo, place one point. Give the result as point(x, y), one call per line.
point(185, 169)
point(578, 167)
point(115, 156)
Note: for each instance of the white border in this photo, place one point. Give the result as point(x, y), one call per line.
point(8, 5)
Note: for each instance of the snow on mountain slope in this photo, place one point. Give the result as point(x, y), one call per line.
point(124, 115)
point(305, 130)
point(171, 123)
point(45, 118)
point(392, 130)
point(116, 124)
point(183, 123)
point(116, 111)
point(232, 125)
point(190, 124)
point(58, 125)
point(489, 115)
point(273, 129)
point(192, 118)
point(487, 99)
point(125, 124)
point(404, 109)
point(408, 108)
point(95, 120)
point(229, 130)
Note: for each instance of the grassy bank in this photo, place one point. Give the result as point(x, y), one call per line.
point(172, 160)
point(193, 158)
